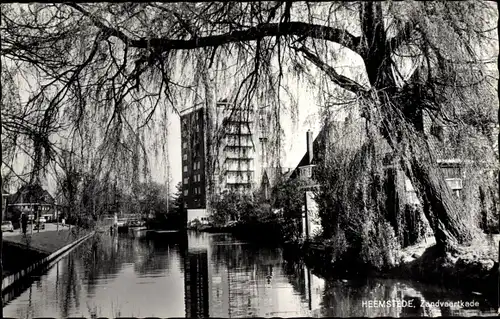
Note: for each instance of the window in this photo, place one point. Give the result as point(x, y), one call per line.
point(186, 192)
point(185, 180)
point(185, 168)
point(185, 157)
point(305, 171)
point(452, 172)
point(184, 144)
point(437, 131)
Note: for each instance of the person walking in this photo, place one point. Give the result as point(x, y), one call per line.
point(115, 224)
point(24, 223)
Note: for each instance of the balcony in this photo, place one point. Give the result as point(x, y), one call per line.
point(239, 141)
point(238, 180)
point(306, 171)
point(238, 166)
point(454, 183)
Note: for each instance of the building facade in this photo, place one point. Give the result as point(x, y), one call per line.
point(30, 200)
point(238, 139)
point(193, 152)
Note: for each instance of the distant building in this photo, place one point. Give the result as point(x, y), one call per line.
point(193, 137)
point(240, 153)
point(28, 199)
point(447, 157)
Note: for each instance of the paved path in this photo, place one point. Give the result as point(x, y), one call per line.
point(48, 227)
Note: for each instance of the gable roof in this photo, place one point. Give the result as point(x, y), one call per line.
point(318, 142)
point(33, 193)
point(344, 131)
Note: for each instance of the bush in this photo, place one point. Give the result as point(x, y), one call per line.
point(235, 206)
point(289, 198)
point(379, 246)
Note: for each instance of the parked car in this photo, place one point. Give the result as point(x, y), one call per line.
point(42, 220)
point(232, 223)
point(39, 226)
point(7, 226)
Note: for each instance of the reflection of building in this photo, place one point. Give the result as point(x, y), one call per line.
point(196, 285)
point(197, 276)
point(235, 282)
point(239, 142)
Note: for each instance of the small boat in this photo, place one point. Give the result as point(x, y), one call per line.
point(137, 232)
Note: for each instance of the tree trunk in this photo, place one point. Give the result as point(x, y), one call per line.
point(1, 246)
point(450, 222)
point(398, 117)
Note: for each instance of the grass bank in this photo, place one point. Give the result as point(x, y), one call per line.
point(22, 251)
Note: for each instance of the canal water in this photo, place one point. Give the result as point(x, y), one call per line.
point(214, 275)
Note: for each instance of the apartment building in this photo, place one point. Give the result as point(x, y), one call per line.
point(238, 139)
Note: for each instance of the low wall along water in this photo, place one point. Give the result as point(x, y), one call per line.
point(13, 278)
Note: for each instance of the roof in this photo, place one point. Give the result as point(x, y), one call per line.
point(317, 143)
point(32, 194)
point(338, 130)
point(271, 175)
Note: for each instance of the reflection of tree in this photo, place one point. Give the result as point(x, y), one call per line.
point(105, 255)
point(245, 256)
point(296, 276)
point(110, 255)
point(344, 298)
point(71, 288)
point(157, 256)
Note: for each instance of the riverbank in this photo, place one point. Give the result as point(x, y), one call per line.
point(473, 268)
point(23, 254)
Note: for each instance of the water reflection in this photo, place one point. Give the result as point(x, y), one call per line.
point(208, 275)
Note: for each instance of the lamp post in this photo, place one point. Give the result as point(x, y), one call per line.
point(37, 218)
point(31, 220)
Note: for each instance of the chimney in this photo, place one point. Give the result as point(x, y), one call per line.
point(309, 146)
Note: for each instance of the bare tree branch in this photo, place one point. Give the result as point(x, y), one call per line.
point(251, 34)
point(342, 81)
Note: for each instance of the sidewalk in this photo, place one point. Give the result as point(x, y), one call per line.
point(48, 227)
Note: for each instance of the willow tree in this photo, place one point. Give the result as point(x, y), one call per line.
point(112, 70)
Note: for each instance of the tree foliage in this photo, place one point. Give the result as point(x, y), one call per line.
point(107, 73)
point(289, 199)
point(240, 207)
